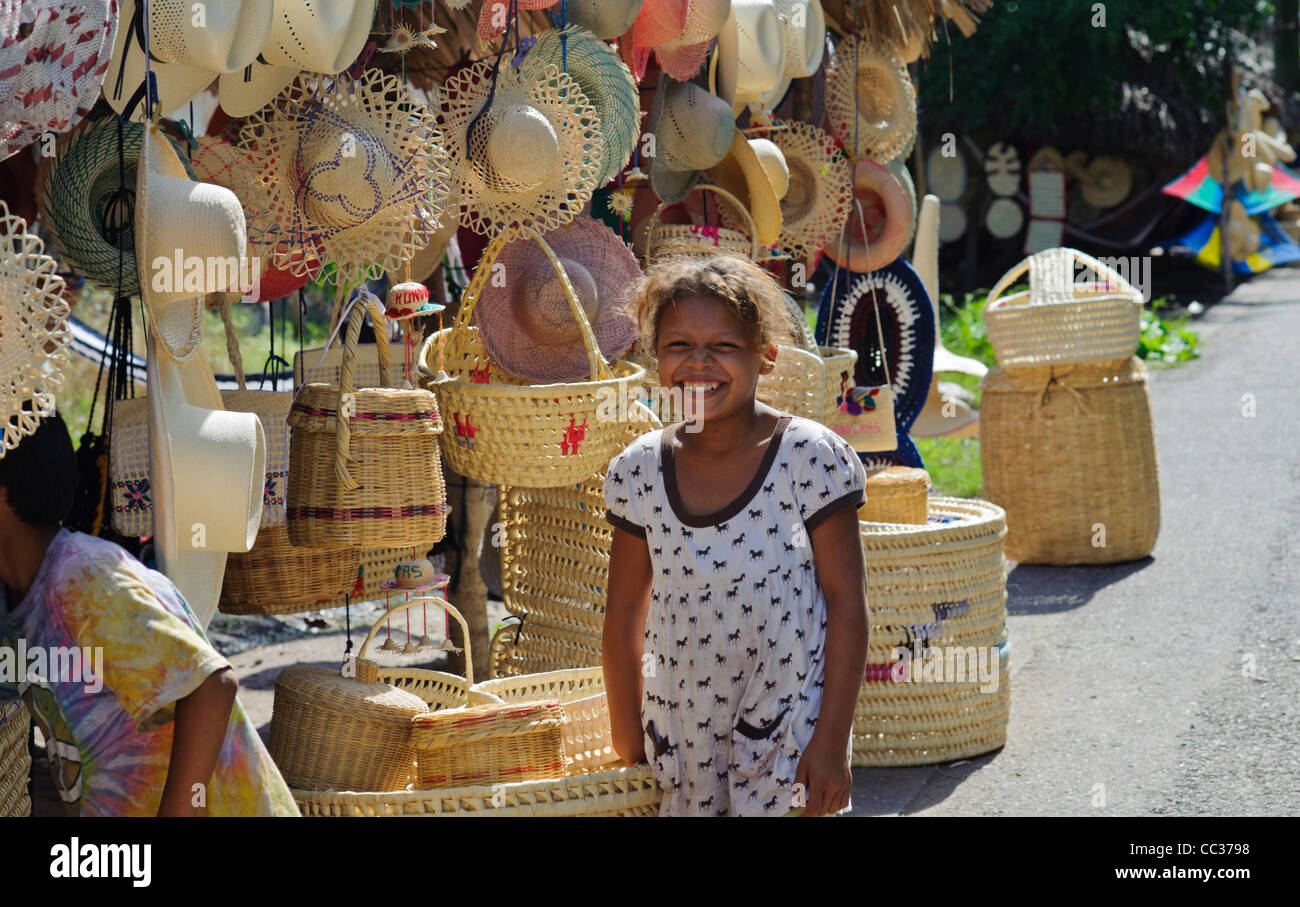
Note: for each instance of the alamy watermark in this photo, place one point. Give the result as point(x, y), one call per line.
point(42, 665)
point(198, 274)
point(946, 664)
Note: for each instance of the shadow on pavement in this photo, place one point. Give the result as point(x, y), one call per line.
point(1036, 589)
point(908, 790)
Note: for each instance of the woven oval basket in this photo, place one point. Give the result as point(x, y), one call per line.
point(15, 760)
point(373, 478)
point(1057, 320)
point(797, 385)
point(274, 577)
point(510, 432)
point(941, 584)
point(488, 744)
point(1070, 453)
point(899, 494)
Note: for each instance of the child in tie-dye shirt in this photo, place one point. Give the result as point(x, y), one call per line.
point(144, 720)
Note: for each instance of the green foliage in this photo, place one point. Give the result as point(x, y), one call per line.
point(1166, 341)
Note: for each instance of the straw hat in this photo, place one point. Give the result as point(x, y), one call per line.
point(493, 18)
point(306, 35)
point(682, 55)
point(751, 52)
point(343, 172)
point(607, 83)
point(804, 25)
point(886, 216)
point(693, 131)
point(1046, 158)
point(535, 154)
point(87, 208)
point(1106, 182)
point(606, 19)
point(755, 172)
point(816, 206)
point(187, 51)
point(898, 169)
point(34, 331)
point(952, 222)
point(528, 327)
point(870, 100)
point(52, 62)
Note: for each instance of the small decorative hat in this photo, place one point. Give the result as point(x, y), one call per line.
point(306, 36)
point(534, 156)
point(693, 131)
point(1106, 182)
point(751, 53)
point(53, 56)
point(877, 235)
point(816, 206)
point(528, 326)
point(607, 83)
point(189, 46)
point(755, 171)
point(870, 100)
point(34, 331)
point(343, 172)
point(87, 202)
point(606, 19)
point(679, 33)
point(493, 19)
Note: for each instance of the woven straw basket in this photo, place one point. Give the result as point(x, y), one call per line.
point(899, 494)
point(509, 432)
point(840, 367)
point(670, 240)
point(797, 385)
point(373, 478)
point(331, 732)
point(488, 744)
point(1070, 453)
point(15, 761)
point(943, 584)
point(274, 577)
point(1059, 321)
point(536, 645)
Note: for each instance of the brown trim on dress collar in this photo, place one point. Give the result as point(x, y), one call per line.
point(718, 516)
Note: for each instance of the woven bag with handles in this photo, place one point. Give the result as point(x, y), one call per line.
point(671, 240)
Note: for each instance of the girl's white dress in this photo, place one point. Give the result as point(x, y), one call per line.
point(735, 638)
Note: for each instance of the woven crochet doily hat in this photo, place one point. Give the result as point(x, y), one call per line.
point(343, 172)
point(189, 46)
point(870, 100)
point(606, 19)
point(322, 36)
point(34, 331)
point(607, 83)
point(87, 202)
point(755, 171)
point(693, 131)
point(53, 56)
point(528, 327)
point(532, 159)
point(816, 205)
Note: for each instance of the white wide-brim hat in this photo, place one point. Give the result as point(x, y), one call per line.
point(751, 53)
point(189, 46)
point(306, 36)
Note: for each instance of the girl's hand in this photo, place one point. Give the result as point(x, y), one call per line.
point(827, 778)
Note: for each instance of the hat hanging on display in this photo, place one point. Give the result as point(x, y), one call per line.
point(343, 172)
point(189, 46)
point(804, 24)
point(815, 208)
point(410, 299)
point(607, 83)
point(493, 18)
point(606, 19)
point(88, 209)
point(527, 325)
point(306, 36)
point(1106, 182)
point(428, 259)
point(1045, 158)
point(952, 222)
point(870, 100)
point(679, 32)
point(34, 333)
point(898, 169)
point(1002, 169)
point(535, 154)
point(53, 56)
point(693, 131)
point(877, 237)
point(755, 172)
point(751, 56)
point(945, 173)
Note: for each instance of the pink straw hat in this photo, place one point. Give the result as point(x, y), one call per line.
point(527, 325)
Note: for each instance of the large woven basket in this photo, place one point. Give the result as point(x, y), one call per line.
point(538, 645)
point(672, 240)
point(797, 385)
point(899, 494)
point(274, 577)
point(373, 478)
point(938, 584)
point(15, 761)
point(1057, 320)
point(1070, 453)
point(510, 432)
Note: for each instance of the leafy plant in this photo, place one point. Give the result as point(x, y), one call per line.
point(1166, 341)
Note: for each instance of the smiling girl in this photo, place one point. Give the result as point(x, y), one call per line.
point(736, 622)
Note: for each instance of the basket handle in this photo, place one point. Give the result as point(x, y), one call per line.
point(1055, 268)
point(653, 223)
point(469, 299)
point(232, 343)
point(347, 381)
point(426, 600)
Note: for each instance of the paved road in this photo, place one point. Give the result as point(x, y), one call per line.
point(1133, 676)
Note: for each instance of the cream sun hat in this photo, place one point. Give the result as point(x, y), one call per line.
point(693, 131)
point(816, 205)
point(344, 172)
point(756, 173)
point(34, 333)
point(323, 36)
point(870, 101)
point(525, 148)
point(751, 53)
point(190, 45)
point(804, 25)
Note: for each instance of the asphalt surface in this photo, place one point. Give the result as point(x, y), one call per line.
point(1171, 685)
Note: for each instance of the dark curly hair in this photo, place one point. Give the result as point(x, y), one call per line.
point(39, 476)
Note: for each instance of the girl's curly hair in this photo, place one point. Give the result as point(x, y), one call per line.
point(743, 286)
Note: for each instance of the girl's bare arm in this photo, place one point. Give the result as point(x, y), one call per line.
point(626, 607)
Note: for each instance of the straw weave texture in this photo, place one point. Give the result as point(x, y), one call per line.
point(15, 761)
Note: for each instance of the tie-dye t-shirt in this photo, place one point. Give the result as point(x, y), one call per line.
point(107, 713)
